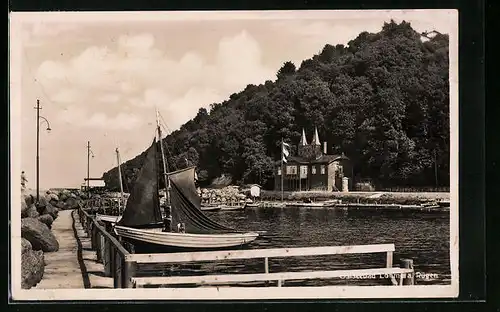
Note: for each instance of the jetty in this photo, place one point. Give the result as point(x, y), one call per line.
point(62, 270)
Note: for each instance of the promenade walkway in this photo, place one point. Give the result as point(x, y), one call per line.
point(62, 270)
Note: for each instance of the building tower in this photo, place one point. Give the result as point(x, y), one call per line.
point(316, 145)
point(303, 140)
point(315, 140)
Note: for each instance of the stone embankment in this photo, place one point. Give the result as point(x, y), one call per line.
point(228, 194)
point(397, 198)
point(36, 223)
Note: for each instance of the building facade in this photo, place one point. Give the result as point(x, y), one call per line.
point(314, 169)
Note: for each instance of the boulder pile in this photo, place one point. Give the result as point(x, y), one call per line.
point(36, 224)
point(226, 195)
point(33, 265)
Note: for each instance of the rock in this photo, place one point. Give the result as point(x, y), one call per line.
point(39, 235)
point(29, 199)
point(24, 208)
point(46, 219)
point(32, 266)
point(51, 210)
point(42, 203)
point(63, 196)
point(53, 197)
point(30, 212)
point(53, 202)
point(71, 203)
point(60, 204)
point(25, 245)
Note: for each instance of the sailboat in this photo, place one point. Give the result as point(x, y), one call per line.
point(109, 218)
point(185, 226)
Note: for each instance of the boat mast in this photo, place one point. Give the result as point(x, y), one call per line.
point(165, 175)
point(282, 169)
point(120, 178)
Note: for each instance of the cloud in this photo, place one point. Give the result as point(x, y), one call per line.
point(109, 98)
point(39, 33)
point(122, 121)
point(52, 29)
point(66, 96)
point(239, 60)
point(137, 45)
point(152, 98)
point(186, 107)
point(77, 116)
point(148, 77)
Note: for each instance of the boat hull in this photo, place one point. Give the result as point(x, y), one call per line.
point(228, 208)
point(157, 237)
point(306, 205)
point(107, 218)
point(210, 208)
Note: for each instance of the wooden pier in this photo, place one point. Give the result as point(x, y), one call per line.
point(62, 268)
point(119, 267)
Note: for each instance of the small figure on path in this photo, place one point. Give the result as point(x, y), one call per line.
point(23, 181)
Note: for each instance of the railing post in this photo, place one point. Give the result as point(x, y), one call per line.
point(114, 267)
point(89, 225)
point(407, 278)
point(128, 272)
point(93, 237)
point(266, 269)
point(98, 246)
point(118, 281)
point(107, 258)
point(389, 259)
point(102, 247)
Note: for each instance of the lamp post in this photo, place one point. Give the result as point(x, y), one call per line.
point(89, 153)
point(38, 117)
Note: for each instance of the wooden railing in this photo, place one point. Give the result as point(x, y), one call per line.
point(121, 265)
point(405, 273)
point(109, 251)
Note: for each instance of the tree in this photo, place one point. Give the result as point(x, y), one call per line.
point(383, 100)
point(286, 70)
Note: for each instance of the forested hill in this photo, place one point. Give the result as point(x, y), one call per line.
point(383, 100)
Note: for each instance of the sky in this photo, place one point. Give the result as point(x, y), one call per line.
point(100, 76)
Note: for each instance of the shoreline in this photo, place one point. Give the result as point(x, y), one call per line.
point(382, 198)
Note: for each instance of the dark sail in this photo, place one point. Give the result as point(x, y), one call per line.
point(143, 204)
point(186, 205)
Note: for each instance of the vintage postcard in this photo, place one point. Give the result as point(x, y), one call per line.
point(234, 155)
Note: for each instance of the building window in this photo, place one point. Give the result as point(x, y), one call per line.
point(279, 171)
point(291, 169)
point(303, 171)
point(323, 169)
point(313, 170)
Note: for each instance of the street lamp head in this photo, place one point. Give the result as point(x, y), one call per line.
point(48, 129)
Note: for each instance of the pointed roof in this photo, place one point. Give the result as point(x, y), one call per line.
point(303, 140)
point(315, 140)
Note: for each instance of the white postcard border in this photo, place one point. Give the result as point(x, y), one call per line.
point(221, 293)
